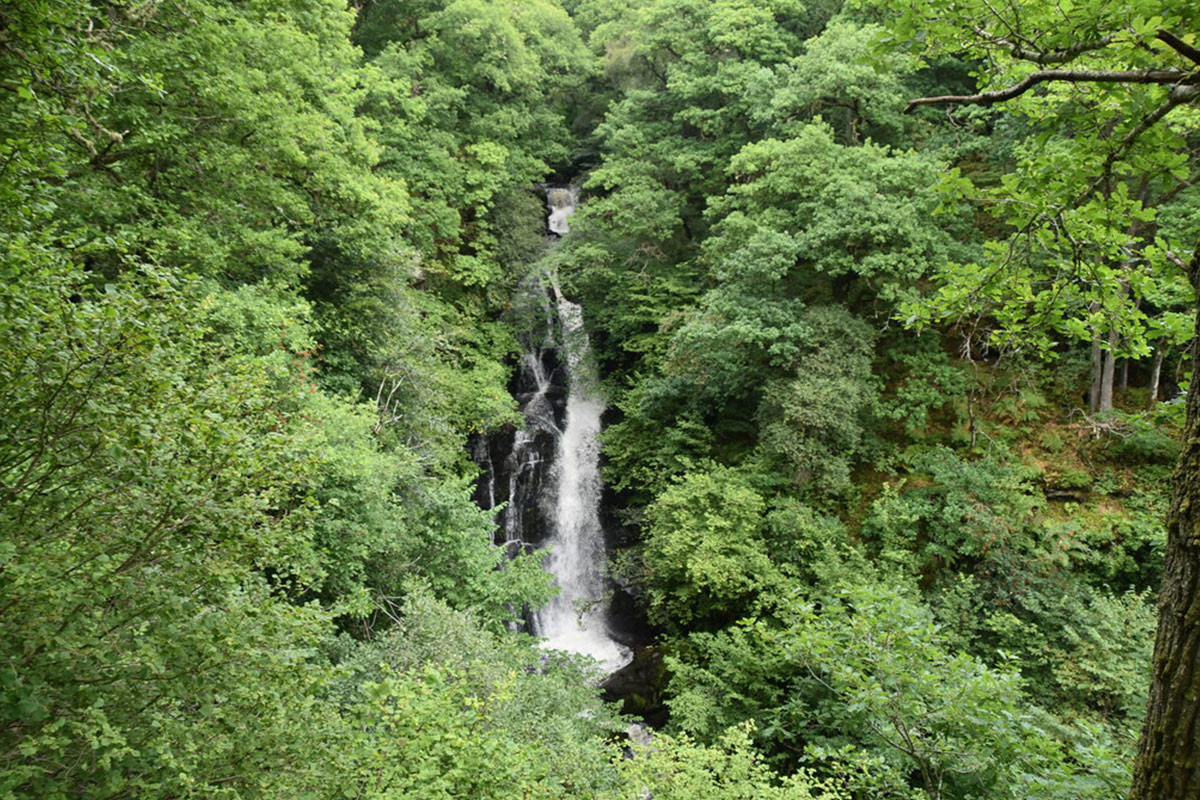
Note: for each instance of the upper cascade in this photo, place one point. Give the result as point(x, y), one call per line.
point(561, 202)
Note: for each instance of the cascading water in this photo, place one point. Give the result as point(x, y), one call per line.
point(575, 619)
point(552, 467)
point(561, 202)
point(531, 448)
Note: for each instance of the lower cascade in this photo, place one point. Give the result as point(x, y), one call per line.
point(575, 619)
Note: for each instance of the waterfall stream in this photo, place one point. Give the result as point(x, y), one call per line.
point(575, 619)
point(560, 202)
point(552, 467)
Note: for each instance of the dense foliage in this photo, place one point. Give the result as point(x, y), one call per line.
point(894, 396)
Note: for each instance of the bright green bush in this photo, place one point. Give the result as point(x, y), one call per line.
point(705, 554)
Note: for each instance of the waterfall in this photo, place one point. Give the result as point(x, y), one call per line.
point(575, 619)
point(561, 202)
point(528, 456)
point(551, 470)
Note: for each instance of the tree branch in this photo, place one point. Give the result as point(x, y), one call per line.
point(1178, 96)
point(1179, 46)
point(1160, 76)
point(1044, 58)
point(1174, 191)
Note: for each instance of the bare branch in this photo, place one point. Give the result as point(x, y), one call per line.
point(1179, 46)
point(1160, 76)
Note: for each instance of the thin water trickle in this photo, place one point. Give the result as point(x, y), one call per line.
point(482, 455)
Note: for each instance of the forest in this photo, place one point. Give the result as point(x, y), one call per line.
point(888, 308)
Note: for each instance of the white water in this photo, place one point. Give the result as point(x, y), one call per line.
point(574, 620)
point(525, 458)
point(561, 202)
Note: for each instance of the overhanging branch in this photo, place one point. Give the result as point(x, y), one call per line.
point(1179, 96)
point(1179, 46)
point(1158, 76)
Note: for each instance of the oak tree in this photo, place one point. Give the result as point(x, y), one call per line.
point(1117, 91)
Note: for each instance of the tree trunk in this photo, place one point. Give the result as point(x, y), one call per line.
point(1104, 368)
point(1168, 760)
point(1107, 374)
point(1156, 374)
point(1137, 303)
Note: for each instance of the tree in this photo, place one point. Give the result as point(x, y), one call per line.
point(676, 768)
point(471, 105)
point(805, 228)
point(693, 76)
point(856, 680)
point(1107, 110)
point(906, 700)
point(185, 515)
point(705, 554)
point(1122, 86)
